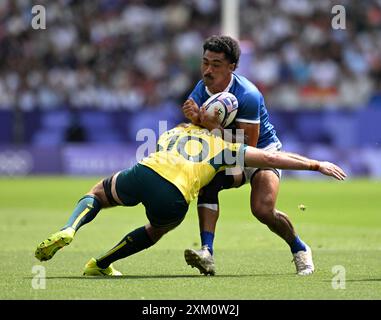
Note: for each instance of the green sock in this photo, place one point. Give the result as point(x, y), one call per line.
point(85, 211)
point(132, 243)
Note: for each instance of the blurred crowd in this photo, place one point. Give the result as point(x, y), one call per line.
point(133, 54)
point(300, 60)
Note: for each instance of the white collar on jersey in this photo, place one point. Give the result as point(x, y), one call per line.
point(225, 90)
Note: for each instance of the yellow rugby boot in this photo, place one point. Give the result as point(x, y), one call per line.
point(91, 269)
point(48, 248)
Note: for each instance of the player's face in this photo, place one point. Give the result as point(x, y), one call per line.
point(216, 71)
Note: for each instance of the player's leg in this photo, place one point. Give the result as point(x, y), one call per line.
point(208, 204)
point(88, 206)
point(208, 213)
point(134, 242)
point(264, 192)
point(137, 240)
point(165, 209)
point(85, 211)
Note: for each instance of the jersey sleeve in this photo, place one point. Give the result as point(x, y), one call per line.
point(249, 110)
point(196, 94)
point(233, 156)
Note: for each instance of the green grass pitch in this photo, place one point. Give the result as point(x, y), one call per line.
point(342, 224)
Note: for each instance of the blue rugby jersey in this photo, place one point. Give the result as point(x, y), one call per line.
point(251, 106)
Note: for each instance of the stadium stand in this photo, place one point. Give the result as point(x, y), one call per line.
point(104, 69)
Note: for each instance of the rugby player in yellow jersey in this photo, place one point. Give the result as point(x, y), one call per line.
point(166, 181)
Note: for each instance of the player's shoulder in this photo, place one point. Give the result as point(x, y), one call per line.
point(246, 90)
point(200, 85)
point(245, 87)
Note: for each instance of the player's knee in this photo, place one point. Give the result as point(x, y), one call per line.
point(208, 196)
point(209, 193)
point(263, 210)
point(155, 233)
point(98, 192)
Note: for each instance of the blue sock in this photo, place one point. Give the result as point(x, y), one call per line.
point(207, 240)
point(85, 211)
point(297, 245)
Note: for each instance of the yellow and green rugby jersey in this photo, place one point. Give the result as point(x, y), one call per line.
point(189, 157)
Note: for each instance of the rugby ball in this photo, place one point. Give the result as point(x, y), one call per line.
point(226, 104)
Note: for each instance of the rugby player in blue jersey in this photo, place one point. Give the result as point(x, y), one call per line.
point(220, 59)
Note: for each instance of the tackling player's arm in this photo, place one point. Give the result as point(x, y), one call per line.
point(285, 160)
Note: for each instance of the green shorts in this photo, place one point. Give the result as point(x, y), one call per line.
point(165, 204)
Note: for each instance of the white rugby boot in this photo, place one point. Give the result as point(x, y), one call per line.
point(201, 259)
point(303, 262)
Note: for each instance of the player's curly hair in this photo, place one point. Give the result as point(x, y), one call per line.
point(225, 44)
